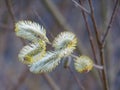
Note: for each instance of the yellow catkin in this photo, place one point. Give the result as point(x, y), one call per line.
point(83, 64)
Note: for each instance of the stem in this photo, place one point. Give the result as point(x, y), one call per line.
point(98, 66)
point(81, 7)
point(21, 79)
point(105, 82)
point(67, 66)
point(100, 46)
point(10, 10)
point(51, 82)
point(111, 20)
point(89, 34)
point(93, 21)
point(76, 78)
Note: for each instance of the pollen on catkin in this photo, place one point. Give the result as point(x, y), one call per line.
point(83, 64)
point(30, 31)
point(32, 52)
point(65, 42)
point(49, 62)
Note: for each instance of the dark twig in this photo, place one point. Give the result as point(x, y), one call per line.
point(10, 10)
point(104, 75)
point(111, 20)
point(90, 34)
point(21, 79)
point(76, 78)
point(100, 46)
point(67, 66)
point(81, 7)
point(51, 82)
point(90, 37)
point(94, 22)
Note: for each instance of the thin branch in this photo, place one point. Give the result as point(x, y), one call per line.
point(51, 82)
point(111, 20)
point(98, 66)
point(76, 78)
point(105, 82)
point(104, 71)
point(67, 66)
point(10, 10)
point(81, 7)
point(94, 22)
point(21, 79)
point(89, 34)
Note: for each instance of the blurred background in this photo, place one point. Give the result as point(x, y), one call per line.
point(57, 16)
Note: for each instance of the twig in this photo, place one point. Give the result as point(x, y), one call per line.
point(81, 7)
point(21, 79)
point(67, 66)
point(10, 10)
point(51, 82)
point(94, 22)
point(90, 35)
point(105, 83)
point(76, 78)
point(111, 20)
point(73, 74)
point(98, 66)
point(102, 45)
point(104, 71)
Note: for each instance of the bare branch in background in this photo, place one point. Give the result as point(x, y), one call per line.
point(21, 79)
point(104, 75)
point(90, 35)
point(93, 21)
point(10, 10)
point(81, 7)
point(67, 66)
point(76, 78)
point(111, 20)
point(50, 81)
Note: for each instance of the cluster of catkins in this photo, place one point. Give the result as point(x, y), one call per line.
point(35, 56)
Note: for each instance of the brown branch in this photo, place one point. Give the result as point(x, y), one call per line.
point(94, 22)
point(21, 79)
point(89, 34)
point(10, 10)
point(104, 71)
point(81, 7)
point(76, 78)
point(100, 46)
point(67, 66)
point(111, 20)
point(51, 82)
